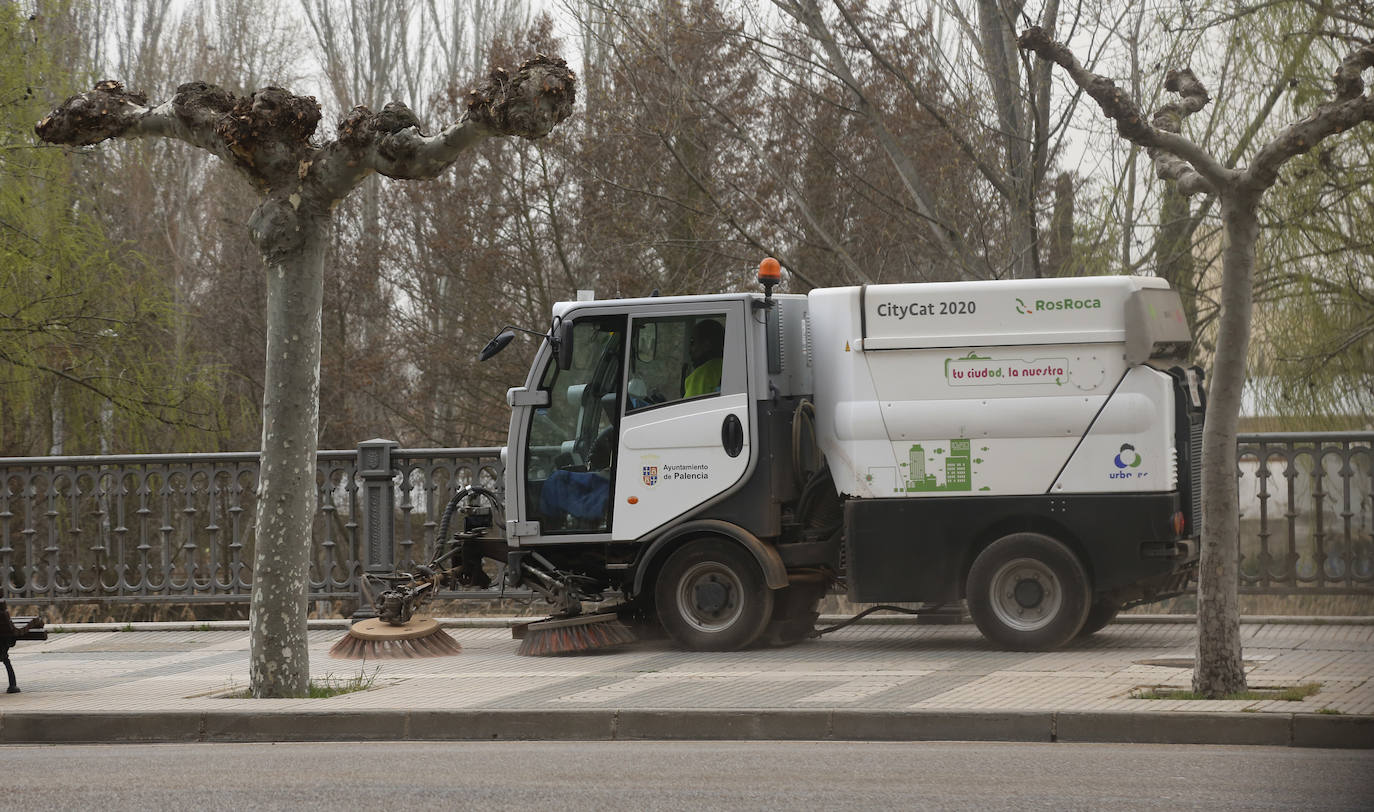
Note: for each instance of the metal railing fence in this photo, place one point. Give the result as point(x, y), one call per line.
point(178, 528)
point(1306, 513)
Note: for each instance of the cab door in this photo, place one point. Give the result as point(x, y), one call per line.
point(683, 442)
point(564, 424)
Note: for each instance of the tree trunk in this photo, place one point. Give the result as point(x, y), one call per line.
point(1025, 231)
point(294, 256)
point(996, 21)
point(1219, 669)
point(1174, 249)
point(1061, 229)
point(268, 137)
point(58, 423)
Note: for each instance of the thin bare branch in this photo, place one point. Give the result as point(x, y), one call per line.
point(1196, 171)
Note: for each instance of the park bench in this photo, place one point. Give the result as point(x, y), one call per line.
point(12, 630)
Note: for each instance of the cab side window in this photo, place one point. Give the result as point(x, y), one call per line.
point(673, 358)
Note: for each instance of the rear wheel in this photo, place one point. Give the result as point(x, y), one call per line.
point(1028, 592)
point(711, 596)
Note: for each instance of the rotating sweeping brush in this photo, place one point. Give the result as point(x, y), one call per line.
point(374, 639)
point(571, 635)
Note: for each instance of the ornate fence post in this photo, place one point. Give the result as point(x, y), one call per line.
point(378, 552)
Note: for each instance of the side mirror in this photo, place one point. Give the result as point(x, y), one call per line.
point(497, 344)
point(565, 344)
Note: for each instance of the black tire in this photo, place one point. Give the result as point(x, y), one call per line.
point(711, 596)
point(1102, 612)
point(1028, 592)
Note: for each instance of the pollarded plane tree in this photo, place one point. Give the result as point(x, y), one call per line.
point(1177, 159)
point(269, 138)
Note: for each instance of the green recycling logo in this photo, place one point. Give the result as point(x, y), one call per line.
point(1127, 457)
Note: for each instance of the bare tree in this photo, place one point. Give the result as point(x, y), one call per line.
point(730, 163)
point(1012, 147)
point(463, 35)
point(1219, 669)
point(267, 137)
point(943, 232)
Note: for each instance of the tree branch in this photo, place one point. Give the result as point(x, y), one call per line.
point(109, 111)
point(1176, 157)
point(956, 134)
point(1350, 107)
point(944, 235)
point(529, 104)
point(264, 135)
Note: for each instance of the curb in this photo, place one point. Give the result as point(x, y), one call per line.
point(824, 620)
point(1269, 729)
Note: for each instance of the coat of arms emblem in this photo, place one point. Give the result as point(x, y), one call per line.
point(650, 475)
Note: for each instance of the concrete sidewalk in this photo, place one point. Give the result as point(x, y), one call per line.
point(875, 681)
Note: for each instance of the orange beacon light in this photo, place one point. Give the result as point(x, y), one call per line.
point(770, 274)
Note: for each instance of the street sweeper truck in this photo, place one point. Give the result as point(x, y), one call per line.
point(722, 462)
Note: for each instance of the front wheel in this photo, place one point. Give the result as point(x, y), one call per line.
point(711, 596)
point(1028, 592)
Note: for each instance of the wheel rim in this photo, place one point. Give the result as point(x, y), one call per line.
point(1026, 594)
point(710, 597)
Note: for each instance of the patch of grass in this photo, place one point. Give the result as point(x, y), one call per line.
point(325, 687)
point(1330, 711)
point(127, 627)
point(1295, 693)
point(204, 627)
point(335, 686)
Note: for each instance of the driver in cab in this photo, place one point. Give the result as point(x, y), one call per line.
point(706, 347)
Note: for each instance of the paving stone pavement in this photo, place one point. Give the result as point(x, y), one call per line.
point(890, 668)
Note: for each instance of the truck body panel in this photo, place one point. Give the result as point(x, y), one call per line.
point(979, 387)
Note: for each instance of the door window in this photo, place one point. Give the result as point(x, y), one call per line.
point(674, 358)
point(569, 462)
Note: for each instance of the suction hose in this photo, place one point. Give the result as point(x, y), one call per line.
point(458, 497)
point(470, 565)
point(804, 420)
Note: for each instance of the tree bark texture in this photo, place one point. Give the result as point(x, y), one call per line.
point(268, 137)
point(278, 653)
point(1174, 249)
point(1219, 668)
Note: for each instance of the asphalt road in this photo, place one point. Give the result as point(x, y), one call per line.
point(554, 776)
